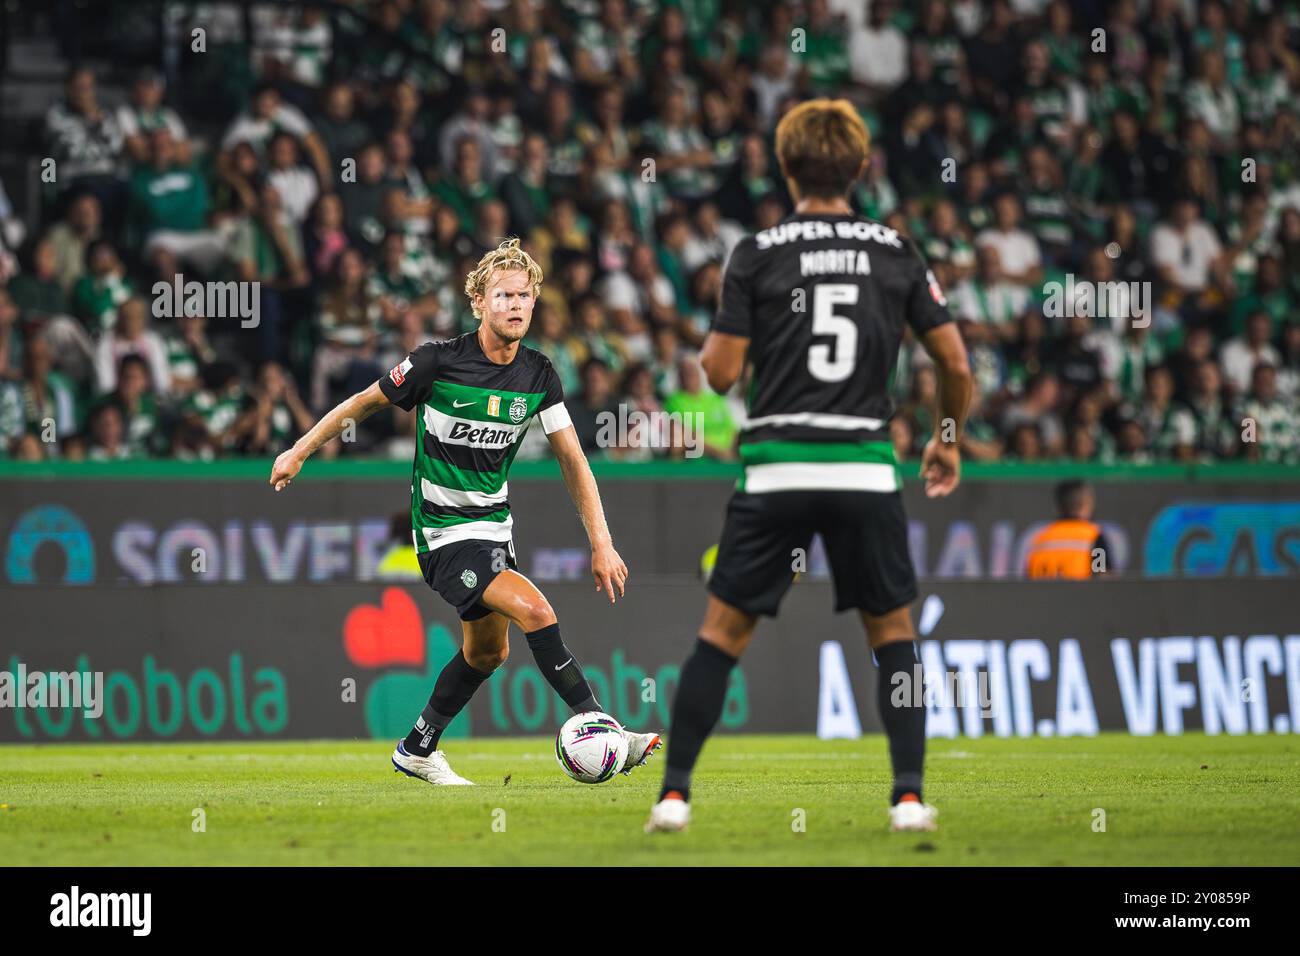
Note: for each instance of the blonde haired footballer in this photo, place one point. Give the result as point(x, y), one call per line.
point(474, 397)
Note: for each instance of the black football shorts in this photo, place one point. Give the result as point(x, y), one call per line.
point(462, 571)
point(865, 534)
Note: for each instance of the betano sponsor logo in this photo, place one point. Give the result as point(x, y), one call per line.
point(478, 435)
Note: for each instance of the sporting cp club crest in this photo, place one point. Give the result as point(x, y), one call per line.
point(518, 409)
point(468, 578)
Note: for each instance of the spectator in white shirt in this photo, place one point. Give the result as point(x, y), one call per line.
point(1185, 249)
point(1241, 354)
point(640, 297)
point(145, 113)
point(267, 117)
point(473, 120)
point(988, 301)
point(295, 183)
point(878, 51)
point(132, 336)
point(1212, 100)
point(1018, 252)
point(712, 239)
point(771, 83)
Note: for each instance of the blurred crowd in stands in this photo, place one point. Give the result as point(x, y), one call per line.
point(356, 167)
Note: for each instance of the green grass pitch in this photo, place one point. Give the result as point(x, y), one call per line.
point(1032, 802)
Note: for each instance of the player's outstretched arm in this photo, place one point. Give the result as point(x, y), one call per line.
point(941, 460)
point(355, 409)
point(723, 359)
point(606, 566)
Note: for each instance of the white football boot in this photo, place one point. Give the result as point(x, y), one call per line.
point(639, 749)
point(433, 769)
point(911, 815)
point(669, 815)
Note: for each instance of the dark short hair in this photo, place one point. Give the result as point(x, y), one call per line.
point(1070, 495)
point(399, 527)
point(130, 359)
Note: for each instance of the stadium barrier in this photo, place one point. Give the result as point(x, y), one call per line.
point(147, 523)
point(358, 661)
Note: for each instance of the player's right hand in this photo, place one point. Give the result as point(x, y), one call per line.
point(608, 569)
point(940, 467)
point(285, 469)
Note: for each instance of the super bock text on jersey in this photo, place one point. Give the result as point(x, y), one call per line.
point(470, 416)
point(823, 300)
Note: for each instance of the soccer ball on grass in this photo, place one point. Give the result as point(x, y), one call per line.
point(591, 747)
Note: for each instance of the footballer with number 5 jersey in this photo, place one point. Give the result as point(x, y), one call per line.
point(474, 396)
point(818, 304)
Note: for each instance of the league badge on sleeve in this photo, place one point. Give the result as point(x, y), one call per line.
point(398, 374)
point(936, 292)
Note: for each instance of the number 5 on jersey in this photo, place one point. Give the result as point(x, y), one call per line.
point(833, 361)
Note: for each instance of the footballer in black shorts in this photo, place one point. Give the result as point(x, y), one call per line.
point(474, 397)
point(818, 304)
point(460, 572)
point(864, 533)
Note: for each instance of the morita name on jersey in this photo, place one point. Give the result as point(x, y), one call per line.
point(822, 262)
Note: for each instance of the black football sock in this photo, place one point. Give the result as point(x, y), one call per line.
point(905, 720)
point(559, 666)
point(451, 692)
point(700, 695)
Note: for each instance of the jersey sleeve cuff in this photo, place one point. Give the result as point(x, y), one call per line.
point(738, 329)
point(555, 418)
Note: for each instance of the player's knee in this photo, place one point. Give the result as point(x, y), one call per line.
point(889, 628)
point(488, 659)
point(536, 613)
point(732, 639)
point(726, 627)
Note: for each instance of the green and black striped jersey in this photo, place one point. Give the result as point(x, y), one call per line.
point(471, 414)
point(823, 300)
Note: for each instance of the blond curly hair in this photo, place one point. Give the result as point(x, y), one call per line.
point(507, 257)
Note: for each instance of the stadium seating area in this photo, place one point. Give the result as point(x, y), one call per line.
point(356, 159)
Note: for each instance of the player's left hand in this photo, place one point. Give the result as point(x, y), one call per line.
point(608, 569)
point(941, 468)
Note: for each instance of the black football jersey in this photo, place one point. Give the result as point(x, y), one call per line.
point(822, 300)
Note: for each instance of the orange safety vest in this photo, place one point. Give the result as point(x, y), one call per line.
point(1063, 550)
